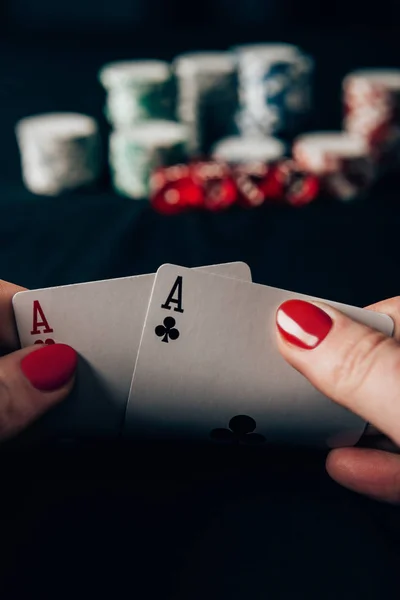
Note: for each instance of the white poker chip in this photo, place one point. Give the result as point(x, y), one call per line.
point(342, 160)
point(57, 126)
point(59, 152)
point(316, 151)
point(271, 51)
point(386, 78)
point(207, 63)
point(154, 134)
point(241, 150)
point(135, 153)
point(134, 72)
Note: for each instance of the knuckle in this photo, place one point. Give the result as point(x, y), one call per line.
point(357, 362)
point(394, 444)
point(17, 408)
point(396, 305)
point(390, 307)
point(396, 317)
point(394, 488)
point(9, 413)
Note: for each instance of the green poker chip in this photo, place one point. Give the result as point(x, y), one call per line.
point(134, 154)
point(138, 91)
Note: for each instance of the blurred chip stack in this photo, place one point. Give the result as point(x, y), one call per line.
point(342, 162)
point(59, 152)
point(372, 111)
point(135, 152)
point(207, 97)
point(138, 91)
point(141, 107)
point(274, 89)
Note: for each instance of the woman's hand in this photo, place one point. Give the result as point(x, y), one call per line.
point(358, 368)
point(31, 380)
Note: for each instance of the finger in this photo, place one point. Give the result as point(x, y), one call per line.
point(371, 472)
point(389, 307)
point(354, 365)
point(31, 382)
point(8, 333)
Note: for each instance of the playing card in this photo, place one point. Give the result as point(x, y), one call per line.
point(103, 321)
point(208, 368)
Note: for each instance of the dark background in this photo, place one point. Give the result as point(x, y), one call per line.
point(170, 522)
point(128, 15)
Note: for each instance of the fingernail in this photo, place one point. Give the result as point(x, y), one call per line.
point(303, 324)
point(51, 367)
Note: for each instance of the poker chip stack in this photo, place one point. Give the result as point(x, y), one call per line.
point(141, 107)
point(138, 91)
point(59, 152)
point(207, 97)
point(342, 162)
point(274, 89)
point(372, 110)
point(137, 151)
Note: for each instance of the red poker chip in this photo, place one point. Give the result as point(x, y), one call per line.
point(380, 135)
point(371, 111)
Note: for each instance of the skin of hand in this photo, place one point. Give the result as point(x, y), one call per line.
point(359, 368)
point(32, 380)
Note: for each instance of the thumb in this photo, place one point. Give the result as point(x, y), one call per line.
point(354, 365)
point(33, 380)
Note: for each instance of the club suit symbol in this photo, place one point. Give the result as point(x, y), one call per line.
point(241, 431)
point(167, 331)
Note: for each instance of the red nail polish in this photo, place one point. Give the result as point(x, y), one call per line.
point(302, 323)
point(51, 367)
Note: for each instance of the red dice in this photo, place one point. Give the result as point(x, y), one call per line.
point(298, 188)
point(218, 185)
point(250, 180)
point(215, 186)
point(172, 190)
